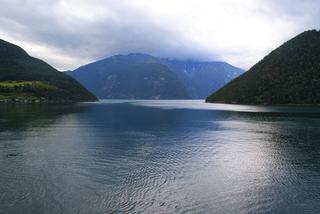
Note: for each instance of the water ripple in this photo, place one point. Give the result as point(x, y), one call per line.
point(159, 157)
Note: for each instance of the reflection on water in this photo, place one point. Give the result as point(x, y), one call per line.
point(159, 156)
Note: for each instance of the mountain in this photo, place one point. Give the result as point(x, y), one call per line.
point(201, 78)
point(27, 79)
point(130, 77)
point(288, 75)
point(141, 76)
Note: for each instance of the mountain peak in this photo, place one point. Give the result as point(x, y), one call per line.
point(109, 78)
point(11, 50)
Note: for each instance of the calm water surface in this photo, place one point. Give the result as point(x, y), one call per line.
point(159, 157)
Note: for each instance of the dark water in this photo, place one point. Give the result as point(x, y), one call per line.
point(159, 157)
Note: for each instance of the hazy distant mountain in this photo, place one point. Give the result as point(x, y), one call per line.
point(26, 79)
point(130, 77)
point(288, 75)
point(141, 76)
point(201, 78)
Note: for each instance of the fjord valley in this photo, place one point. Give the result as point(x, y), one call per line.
point(153, 106)
point(288, 75)
point(27, 79)
point(142, 76)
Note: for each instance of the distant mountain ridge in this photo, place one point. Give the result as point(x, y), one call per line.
point(27, 79)
point(288, 75)
point(178, 79)
point(202, 77)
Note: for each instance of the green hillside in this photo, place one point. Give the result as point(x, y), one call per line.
point(288, 75)
point(27, 79)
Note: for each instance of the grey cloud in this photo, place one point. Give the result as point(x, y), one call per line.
point(306, 13)
point(126, 29)
point(128, 32)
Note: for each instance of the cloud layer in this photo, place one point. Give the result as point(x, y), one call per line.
point(69, 33)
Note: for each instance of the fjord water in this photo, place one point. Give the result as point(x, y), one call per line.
point(159, 157)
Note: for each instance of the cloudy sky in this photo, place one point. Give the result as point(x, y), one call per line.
point(70, 33)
